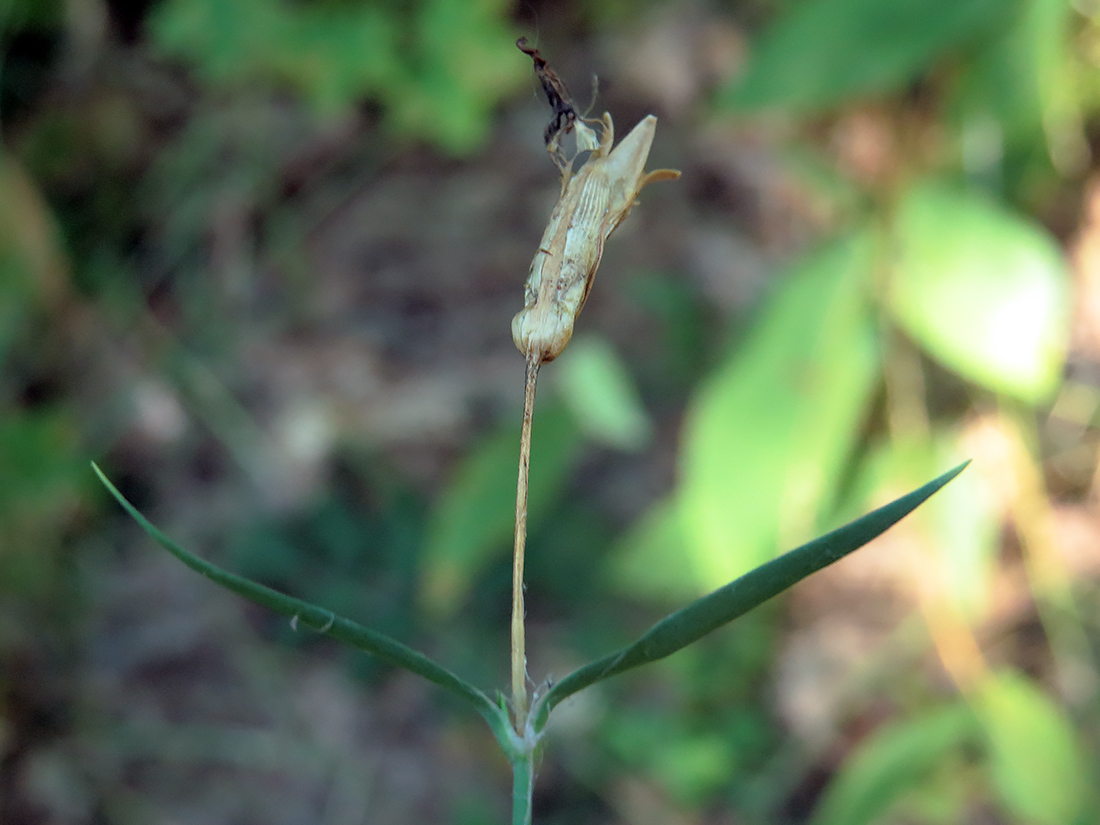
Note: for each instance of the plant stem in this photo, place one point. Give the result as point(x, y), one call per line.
point(519, 653)
point(523, 783)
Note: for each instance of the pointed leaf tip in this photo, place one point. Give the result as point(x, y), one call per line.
point(326, 622)
point(704, 615)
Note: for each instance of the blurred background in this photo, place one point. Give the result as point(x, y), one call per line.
point(259, 259)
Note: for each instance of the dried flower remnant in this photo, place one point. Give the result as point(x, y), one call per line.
point(593, 202)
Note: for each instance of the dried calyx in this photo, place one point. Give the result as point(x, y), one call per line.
point(594, 200)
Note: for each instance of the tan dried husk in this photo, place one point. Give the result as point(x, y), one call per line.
point(593, 202)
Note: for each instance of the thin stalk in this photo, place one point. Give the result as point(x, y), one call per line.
point(519, 652)
point(523, 783)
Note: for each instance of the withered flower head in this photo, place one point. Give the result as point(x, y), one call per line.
point(592, 203)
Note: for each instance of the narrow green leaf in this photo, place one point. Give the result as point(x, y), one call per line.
point(329, 624)
point(738, 597)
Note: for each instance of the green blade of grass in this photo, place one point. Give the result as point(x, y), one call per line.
point(329, 624)
point(691, 623)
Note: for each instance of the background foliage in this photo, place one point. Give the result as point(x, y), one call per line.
point(259, 257)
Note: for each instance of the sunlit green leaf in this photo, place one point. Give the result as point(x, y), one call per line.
point(1038, 767)
point(821, 52)
point(474, 520)
point(594, 383)
point(985, 291)
point(894, 759)
point(768, 434)
point(721, 607)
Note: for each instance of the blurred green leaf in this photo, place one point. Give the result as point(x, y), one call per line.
point(721, 607)
point(572, 536)
point(669, 363)
point(1018, 101)
point(466, 61)
point(1038, 767)
point(30, 14)
point(232, 42)
point(32, 264)
point(39, 491)
point(653, 559)
point(597, 388)
point(332, 53)
point(437, 66)
point(690, 764)
point(896, 758)
point(822, 52)
point(767, 436)
point(37, 457)
point(985, 291)
point(694, 766)
point(475, 518)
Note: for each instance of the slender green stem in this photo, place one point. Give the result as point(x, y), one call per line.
point(523, 783)
point(519, 651)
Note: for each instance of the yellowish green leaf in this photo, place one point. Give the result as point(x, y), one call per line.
point(984, 290)
point(768, 434)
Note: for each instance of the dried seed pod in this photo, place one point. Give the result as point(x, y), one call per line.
point(593, 202)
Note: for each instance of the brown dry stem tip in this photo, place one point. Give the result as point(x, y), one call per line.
point(519, 651)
